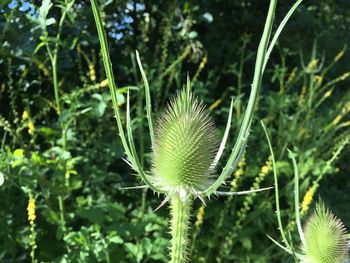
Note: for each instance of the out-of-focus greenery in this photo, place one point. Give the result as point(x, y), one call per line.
point(68, 163)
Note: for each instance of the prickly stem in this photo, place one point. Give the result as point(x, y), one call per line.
point(180, 215)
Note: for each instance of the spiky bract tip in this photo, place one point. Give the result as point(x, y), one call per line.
point(325, 238)
point(184, 147)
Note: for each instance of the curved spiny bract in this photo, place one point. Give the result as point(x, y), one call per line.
point(184, 147)
point(325, 238)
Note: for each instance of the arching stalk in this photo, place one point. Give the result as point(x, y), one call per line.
point(180, 215)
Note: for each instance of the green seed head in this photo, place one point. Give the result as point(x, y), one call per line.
point(325, 238)
point(184, 147)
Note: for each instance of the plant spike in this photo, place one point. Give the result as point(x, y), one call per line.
point(325, 238)
point(248, 116)
point(148, 98)
point(184, 147)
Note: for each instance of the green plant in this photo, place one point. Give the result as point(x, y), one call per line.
point(183, 125)
point(323, 238)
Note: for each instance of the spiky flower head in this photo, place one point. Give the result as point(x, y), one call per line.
point(325, 238)
point(184, 147)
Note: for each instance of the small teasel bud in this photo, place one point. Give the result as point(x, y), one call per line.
point(325, 238)
point(184, 147)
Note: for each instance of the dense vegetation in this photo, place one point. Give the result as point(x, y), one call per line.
point(61, 169)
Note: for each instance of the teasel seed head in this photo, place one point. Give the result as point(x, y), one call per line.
point(184, 147)
point(325, 238)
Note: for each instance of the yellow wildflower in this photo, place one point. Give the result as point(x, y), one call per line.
point(337, 119)
point(92, 72)
point(31, 209)
point(104, 83)
point(31, 128)
point(203, 62)
point(345, 76)
point(346, 108)
point(307, 200)
point(267, 167)
point(291, 77)
point(25, 115)
point(339, 55)
point(328, 93)
point(318, 79)
point(239, 172)
point(303, 92)
point(200, 216)
point(345, 124)
point(312, 65)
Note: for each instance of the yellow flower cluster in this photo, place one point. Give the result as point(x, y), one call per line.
point(240, 169)
point(31, 209)
point(302, 93)
point(238, 173)
point(312, 65)
point(345, 110)
point(25, 115)
point(266, 168)
point(307, 200)
point(31, 127)
point(291, 77)
point(318, 80)
point(104, 83)
point(328, 93)
point(92, 72)
point(339, 55)
point(248, 200)
point(200, 216)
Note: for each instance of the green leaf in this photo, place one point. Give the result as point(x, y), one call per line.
point(18, 153)
point(116, 240)
point(135, 251)
point(38, 47)
point(45, 8)
point(50, 21)
point(93, 214)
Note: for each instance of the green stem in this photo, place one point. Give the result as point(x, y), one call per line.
point(237, 151)
point(55, 84)
point(62, 217)
point(54, 55)
point(129, 150)
point(180, 212)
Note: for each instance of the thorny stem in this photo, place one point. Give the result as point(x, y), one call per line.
point(180, 215)
point(113, 90)
point(241, 142)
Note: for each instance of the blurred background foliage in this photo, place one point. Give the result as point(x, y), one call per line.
point(61, 168)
